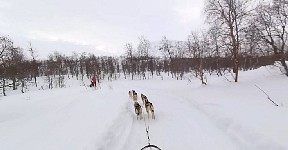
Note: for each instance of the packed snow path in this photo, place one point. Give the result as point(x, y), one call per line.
point(188, 116)
point(182, 124)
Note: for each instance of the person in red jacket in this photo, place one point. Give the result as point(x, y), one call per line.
point(93, 81)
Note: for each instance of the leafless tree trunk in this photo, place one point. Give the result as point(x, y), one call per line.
point(143, 55)
point(130, 56)
point(34, 63)
point(272, 24)
point(5, 45)
point(168, 51)
point(3, 86)
point(198, 47)
point(231, 14)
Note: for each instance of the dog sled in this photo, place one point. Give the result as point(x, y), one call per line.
point(151, 147)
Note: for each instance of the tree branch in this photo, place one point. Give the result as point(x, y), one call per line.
point(267, 95)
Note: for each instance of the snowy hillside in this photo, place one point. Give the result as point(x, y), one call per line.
point(189, 116)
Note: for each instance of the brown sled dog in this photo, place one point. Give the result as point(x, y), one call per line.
point(149, 108)
point(144, 99)
point(138, 110)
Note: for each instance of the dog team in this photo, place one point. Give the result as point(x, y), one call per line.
point(138, 108)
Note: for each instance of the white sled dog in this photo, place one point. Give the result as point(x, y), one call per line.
point(130, 93)
point(133, 95)
point(138, 110)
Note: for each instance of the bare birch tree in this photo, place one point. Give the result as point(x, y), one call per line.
point(272, 25)
point(230, 15)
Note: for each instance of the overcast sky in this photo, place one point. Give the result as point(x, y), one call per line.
point(97, 26)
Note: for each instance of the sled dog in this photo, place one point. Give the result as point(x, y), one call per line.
point(135, 97)
point(138, 110)
point(130, 93)
point(149, 108)
point(144, 99)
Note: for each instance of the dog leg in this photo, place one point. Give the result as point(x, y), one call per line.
point(141, 116)
point(148, 114)
point(136, 112)
point(153, 116)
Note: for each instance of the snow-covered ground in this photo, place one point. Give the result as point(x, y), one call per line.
point(219, 116)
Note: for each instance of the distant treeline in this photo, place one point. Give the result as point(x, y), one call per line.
point(213, 64)
point(16, 70)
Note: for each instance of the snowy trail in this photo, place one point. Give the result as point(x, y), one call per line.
point(119, 129)
point(193, 131)
point(196, 128)
point(118, 135)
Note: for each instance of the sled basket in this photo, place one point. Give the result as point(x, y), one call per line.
point(151, 147)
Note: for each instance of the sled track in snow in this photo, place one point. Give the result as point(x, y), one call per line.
point(137, 138)
point(118, 133)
